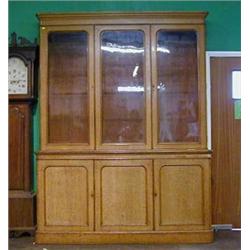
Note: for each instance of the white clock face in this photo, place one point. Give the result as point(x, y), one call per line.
point(18, 76)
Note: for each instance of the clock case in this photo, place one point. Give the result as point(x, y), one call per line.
point(29, 56)
point(22, 199)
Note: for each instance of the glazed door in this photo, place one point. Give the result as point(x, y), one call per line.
point(65, 195)
point(123, 190)
point(123, 103)
point(226, 134)
point(67, 112)
point(182, 194)
point(178, 86)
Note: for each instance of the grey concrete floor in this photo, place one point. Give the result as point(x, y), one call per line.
point(224, 240)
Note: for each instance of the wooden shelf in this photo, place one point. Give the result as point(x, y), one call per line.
point(123, 93)
point(123, 120)
point(68, 94)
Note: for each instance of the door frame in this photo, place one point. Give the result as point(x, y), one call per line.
point(210, 54)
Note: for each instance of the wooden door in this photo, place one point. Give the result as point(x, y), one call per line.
point(65, 195)
point(182, 194)
point(226, 134)
point(124, 195)
point(123, 99)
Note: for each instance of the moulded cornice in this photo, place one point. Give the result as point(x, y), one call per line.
point(47, 19)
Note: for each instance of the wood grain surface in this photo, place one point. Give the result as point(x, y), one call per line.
point(106, 190)
point(226, 134)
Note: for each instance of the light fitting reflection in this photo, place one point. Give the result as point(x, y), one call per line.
point(110, 47)
point(164, 50)
point(130, 89)
point(161, 86)
point(135, 71)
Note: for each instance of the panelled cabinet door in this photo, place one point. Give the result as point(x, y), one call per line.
point(182, 194)
point(123, 102)
point(123, 190)
point(65, 195)
point(67, 88)
point(178, 86)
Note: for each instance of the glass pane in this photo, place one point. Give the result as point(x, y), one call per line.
point(236, 86)
point(18, 76)
point(123, 96)
point(177, 86)
point(68, 87)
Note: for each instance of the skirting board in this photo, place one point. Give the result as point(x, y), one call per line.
point(124, 238)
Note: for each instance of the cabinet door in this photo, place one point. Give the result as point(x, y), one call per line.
point(123, 103)
point(182, 194)
point(67, 110)
point(179, 113)
point(123, 195)
point(65, 195)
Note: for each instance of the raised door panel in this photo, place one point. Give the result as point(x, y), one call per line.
point(178, 86)
point(123, 100)
point(65, 195)
point(124, 195)
point(182, 194)
point(67, 88)
point(19, 147)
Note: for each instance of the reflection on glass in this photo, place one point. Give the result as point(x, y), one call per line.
point(123, 96)
point(177, 86)
point(68, 87)
point(130, 89)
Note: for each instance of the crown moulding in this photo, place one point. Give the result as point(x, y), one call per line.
point(48, 19)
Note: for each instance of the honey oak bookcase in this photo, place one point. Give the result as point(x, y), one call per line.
point(124, 155)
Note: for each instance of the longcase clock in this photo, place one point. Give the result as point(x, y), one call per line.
point(22, 70)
